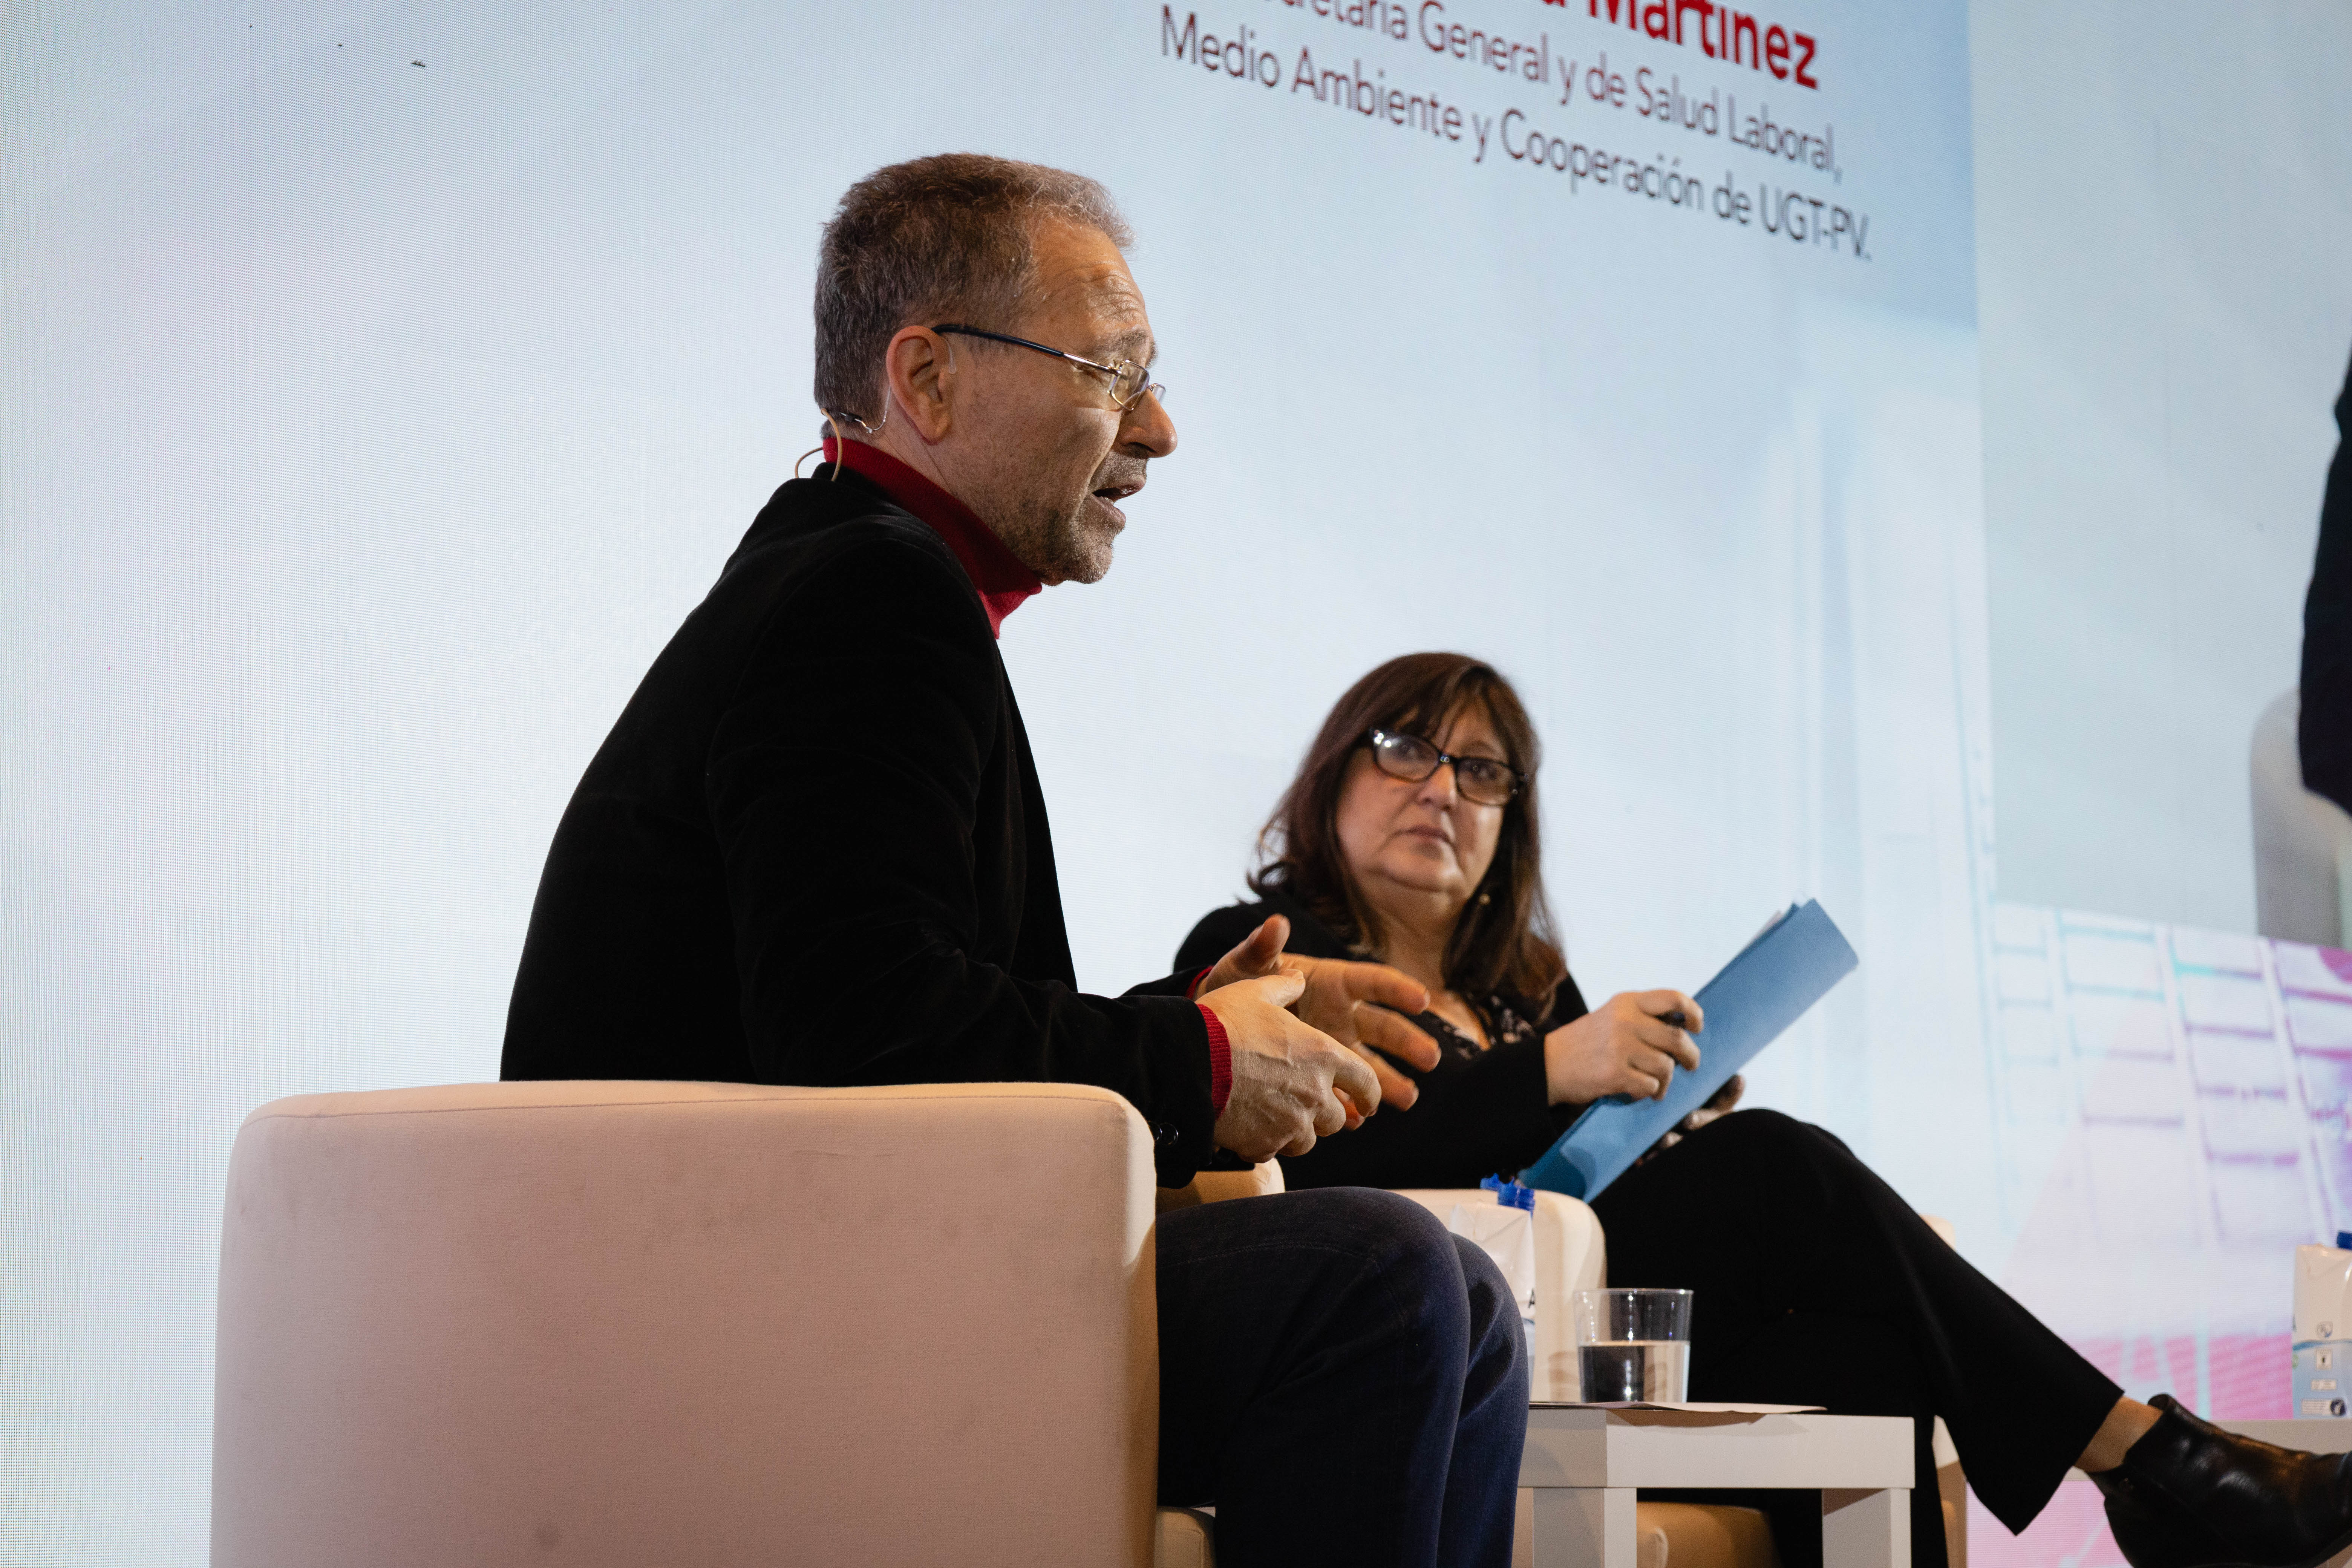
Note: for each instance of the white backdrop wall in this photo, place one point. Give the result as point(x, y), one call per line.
point(2164, 214)
point(384, 383)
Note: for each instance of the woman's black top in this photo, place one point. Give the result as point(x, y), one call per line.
point(1482, 1111)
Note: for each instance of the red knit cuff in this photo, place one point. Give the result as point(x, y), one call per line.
point(1221, 1063)
point(1192, 989)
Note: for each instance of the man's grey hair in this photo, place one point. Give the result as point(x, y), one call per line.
point(945, 238)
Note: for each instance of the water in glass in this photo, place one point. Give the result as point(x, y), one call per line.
point(1636, 1369)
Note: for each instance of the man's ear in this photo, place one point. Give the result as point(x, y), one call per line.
point(922, 373)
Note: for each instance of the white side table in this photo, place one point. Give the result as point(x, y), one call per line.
point(1584, 1463)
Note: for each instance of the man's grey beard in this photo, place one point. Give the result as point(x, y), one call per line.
point(1075, 550)
point(1072, 547)
point(1061, 547)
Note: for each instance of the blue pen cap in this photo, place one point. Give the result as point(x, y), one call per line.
point(2344, 1240)
point(1510, 1195)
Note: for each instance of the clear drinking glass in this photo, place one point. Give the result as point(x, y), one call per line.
point(1632, 1345)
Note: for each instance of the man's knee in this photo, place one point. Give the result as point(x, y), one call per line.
point(1429, 1289)
point(1407, 1256)
point(1451, 1279)
point(1394, 1233)
point(1488, 1292)
point(1494, 1324)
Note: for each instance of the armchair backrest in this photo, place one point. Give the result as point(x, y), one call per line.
point(651, 1322)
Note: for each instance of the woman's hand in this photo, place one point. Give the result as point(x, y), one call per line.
point(1624, 1046)
point(1367, 1007)
point(1721, 1103)
point(1254, 957)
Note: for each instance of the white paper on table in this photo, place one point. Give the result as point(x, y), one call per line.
point(1703, 1408)
point(1507, 1234)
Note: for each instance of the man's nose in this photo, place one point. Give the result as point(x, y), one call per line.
point(1146, 431)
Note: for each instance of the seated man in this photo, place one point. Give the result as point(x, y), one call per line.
point(813, 850)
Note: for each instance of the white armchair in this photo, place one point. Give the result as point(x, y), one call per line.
point(619, 1323)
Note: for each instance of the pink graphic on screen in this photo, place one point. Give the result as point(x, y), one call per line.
point(2173, 1108)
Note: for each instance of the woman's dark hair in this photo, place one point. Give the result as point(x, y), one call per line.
point(1504, 938)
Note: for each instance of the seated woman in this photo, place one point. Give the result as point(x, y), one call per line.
point(1409, 836)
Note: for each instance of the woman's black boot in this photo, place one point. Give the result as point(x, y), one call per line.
point(2189, 1495)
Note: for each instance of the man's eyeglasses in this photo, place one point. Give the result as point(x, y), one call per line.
point(1129, 380)
point(1408, 757)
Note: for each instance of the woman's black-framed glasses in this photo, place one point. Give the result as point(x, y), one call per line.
point(1408, 757)
point(1129, 380)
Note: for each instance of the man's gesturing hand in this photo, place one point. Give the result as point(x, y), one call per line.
point(1288, 1078)
point(1626, 1047)
point(1365, 1007)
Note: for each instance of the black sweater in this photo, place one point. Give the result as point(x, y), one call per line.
point(813, 851)
point(1482, 1112)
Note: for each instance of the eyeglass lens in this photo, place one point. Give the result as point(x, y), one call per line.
point(1412, 759)
point(1128, 382)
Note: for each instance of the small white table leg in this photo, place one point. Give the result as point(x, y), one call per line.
point(1589, 1527)
point(1862, 1530)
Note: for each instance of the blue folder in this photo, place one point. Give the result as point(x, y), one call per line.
point(1768, 985)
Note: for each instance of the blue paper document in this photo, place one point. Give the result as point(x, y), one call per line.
point(1792, 965)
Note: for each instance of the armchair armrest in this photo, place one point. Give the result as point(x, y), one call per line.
point(1217, 1186)
point(669, 1322)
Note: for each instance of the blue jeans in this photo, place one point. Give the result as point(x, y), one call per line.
point(1344, 1380)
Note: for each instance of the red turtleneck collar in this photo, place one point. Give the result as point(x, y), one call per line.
point(1003, 583)
point(996, 573)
